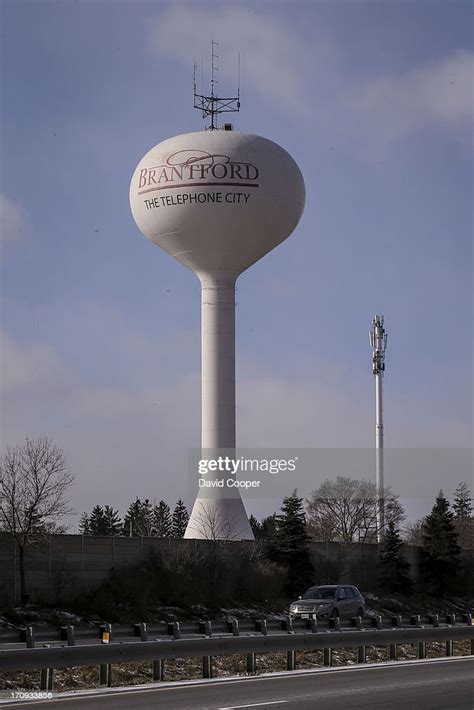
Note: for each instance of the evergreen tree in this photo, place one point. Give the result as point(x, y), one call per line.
point(393, 566)
point(97, 521)
point(464, 522)
point(290, 545)
point(462, 505)
point(163, 524)
point(265, 529)
point(269, 527)
point(179, 520)
point(256, 527)
point(112, 521)
point(440, 549)
point(84, 527)
point(138, 521)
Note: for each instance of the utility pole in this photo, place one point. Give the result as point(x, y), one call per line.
point(378, 342)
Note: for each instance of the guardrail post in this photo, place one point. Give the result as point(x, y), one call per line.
point(158, 670)
point(451, 619)
point(287, 625)
point(290, 660)
point(208, 628)
point(422, 649)
point(105, 674)
point(207, 666)
point(71, 636)
point(176, 630)
point(30, 637)
point(327, 657)
point(143, 631)
point(449, 647)
point(376, 622)
point(46, 680)
point(361, 654)
point(314, 625)
point(416, 621)
point(434, 620)
point(393, 651)
point(235, 627)
point(264, 627)
point(250, 662)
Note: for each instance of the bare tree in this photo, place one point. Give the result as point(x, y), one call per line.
point(211, 524)
point(34, 478)
point(345, 510)
point(413, 533)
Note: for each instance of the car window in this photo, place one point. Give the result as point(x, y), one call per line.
point(342, 593)
point(320, 593)
point(349, 592)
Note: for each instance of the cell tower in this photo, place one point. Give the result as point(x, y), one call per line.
point(378, 342)
point(213, 105)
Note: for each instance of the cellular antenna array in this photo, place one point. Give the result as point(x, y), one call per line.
point(213, 105)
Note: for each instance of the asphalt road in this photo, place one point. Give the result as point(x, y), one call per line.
point(445, 684)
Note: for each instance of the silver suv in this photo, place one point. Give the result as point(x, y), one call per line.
point(335, 600)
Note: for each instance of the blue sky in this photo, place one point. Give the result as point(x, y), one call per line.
point(100, 329)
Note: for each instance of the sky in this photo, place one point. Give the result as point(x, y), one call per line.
point(100, 328)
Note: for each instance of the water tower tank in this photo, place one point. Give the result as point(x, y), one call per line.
point(217, 201)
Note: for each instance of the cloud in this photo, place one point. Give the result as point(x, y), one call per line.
point(440, 93)
point(132, 436)
point(12, 220)
point(310, 76)
point(273, 55)
point(28, 368)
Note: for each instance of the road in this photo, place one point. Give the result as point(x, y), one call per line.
point(444, 684)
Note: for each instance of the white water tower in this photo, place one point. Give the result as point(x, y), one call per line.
point(217, 201)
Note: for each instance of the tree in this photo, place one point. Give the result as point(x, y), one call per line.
point(84, 525)
point(179, 521)
point(34, 480)
point(393, 566)
point(97, 524)
point(289, 545)
point(440, 549)
point(138, 521)
point(256, 527)
point(162, 521)
point(265, 529)
point(112, 521)
point(345, 510)
point(414, 533)
point(462, 509)
point(462, 504)
point(269, 527)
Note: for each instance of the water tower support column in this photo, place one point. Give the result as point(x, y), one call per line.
point(218, 361)
point(218, 513)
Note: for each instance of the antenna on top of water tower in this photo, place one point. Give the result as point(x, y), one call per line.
point(378, 342)
point(212, 104)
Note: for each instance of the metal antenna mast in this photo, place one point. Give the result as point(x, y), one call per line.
point(213, 105)
point(378, 342)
